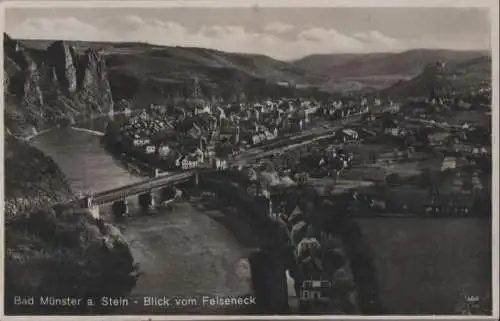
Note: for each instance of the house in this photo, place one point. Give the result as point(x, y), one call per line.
point(139, 142)
point(219, 113)
point(368, 117)
point(393, 108)
point(186, 162)
point(255, 139)
point(438, 138)
point(364, 109)
point(228, 133)
point(448, 163)
point(464, 105)
point(297, 123)
point(395, 131)
point(202, 109)
point(345, 135)
point(220, 164)
point(150, 149)
point(199, 155)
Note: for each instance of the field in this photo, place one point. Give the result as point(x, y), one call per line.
point(426, 265)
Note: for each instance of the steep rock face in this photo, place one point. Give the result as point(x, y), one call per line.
point(53, 86)
point(93, 83)
point(63, 60)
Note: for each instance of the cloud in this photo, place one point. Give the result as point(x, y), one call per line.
point(133, 20)
point(270, 41)
point(376, 38)
point(68, 28)
point(278, 27)
point(329, 40)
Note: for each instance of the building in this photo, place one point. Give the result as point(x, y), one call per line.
point(139, 142)
point(439, 138)
point(346, 135)
point(220, 164)
point(150, 149)
point(368, 117)
point(395, 131)
point(164, 150)
point(202, 109)
point(449, 163)
point(186, 162)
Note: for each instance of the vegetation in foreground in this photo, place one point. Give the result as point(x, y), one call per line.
point(63, 253)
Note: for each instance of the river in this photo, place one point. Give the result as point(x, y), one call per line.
point(422, 264)
point(182, 252)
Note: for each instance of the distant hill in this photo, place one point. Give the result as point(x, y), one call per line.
point(380, 70)
point(443, 78)
point(409, 62)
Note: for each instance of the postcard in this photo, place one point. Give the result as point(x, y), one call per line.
point(253, 159)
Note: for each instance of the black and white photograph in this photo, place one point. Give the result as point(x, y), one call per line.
point(250, 158)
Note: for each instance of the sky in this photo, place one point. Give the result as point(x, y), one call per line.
point(282, 33)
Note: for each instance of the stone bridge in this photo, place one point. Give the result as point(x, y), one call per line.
point(144, 189)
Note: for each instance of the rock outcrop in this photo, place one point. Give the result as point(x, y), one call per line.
point(435, 81)
point(57, 85)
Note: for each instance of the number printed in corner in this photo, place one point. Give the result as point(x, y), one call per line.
point(308, 295)
point(471, 298)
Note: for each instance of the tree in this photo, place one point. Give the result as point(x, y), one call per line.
point(422, 137)
point(329, 188)
point(302, 178)
point(393, 178)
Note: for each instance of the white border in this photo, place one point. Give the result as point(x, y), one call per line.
point(494, 9)
point(250, 3)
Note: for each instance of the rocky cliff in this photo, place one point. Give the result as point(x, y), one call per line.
point(442, 79)
point(54, 85)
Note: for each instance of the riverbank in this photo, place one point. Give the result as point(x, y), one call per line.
point(74, 126)
point(94, 132)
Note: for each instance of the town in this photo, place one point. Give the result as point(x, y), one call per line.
point(433, 152)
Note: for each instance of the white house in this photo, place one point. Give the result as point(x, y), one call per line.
point(449, 163)
point(347, 135)
point(150, 149)
point(220, 164)
point(138, 142)
point(204, 109)
point(164, 150)
point(186, 163)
